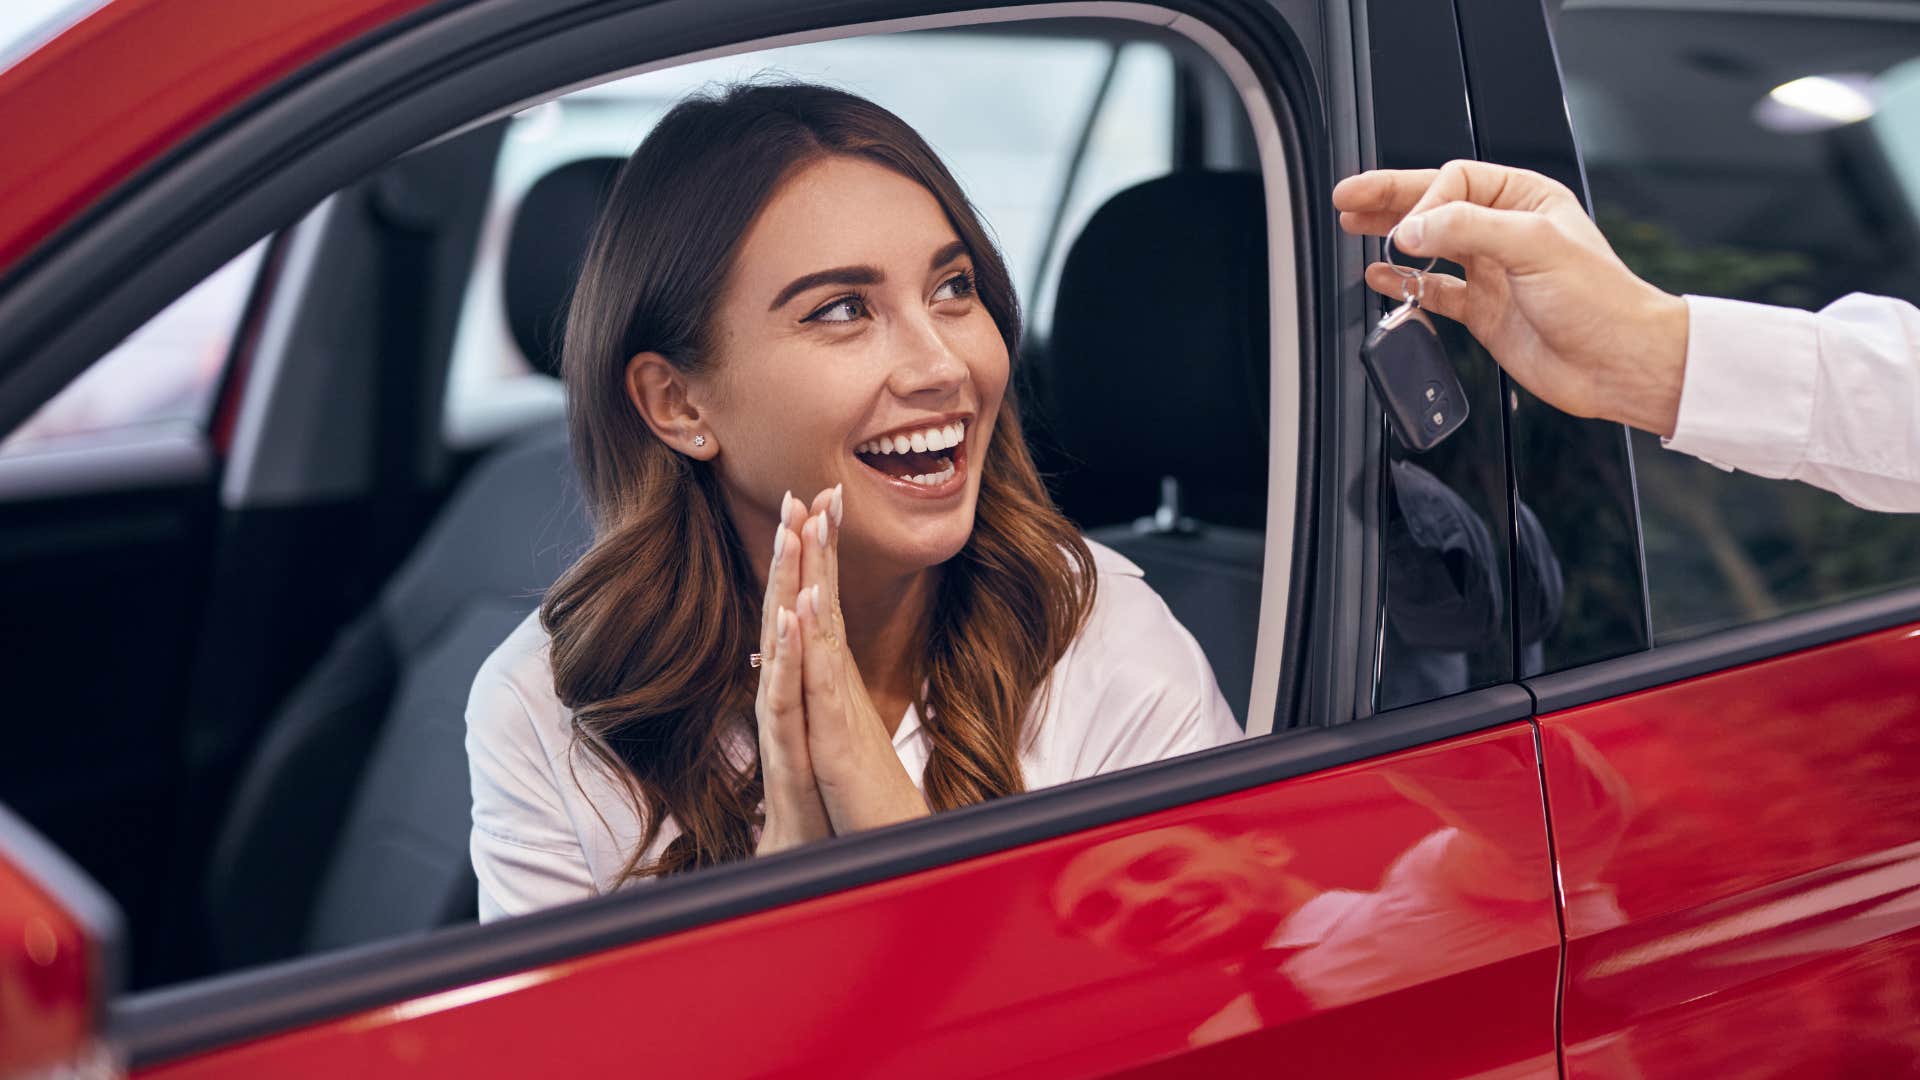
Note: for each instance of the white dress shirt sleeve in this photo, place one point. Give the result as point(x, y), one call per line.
point(1831, 398)
point(525, 849)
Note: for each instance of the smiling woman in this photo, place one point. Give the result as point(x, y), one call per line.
point(788, 292)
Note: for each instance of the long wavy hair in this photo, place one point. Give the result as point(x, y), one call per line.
point(647, 629)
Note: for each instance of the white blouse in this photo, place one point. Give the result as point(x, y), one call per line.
point(1133, 687)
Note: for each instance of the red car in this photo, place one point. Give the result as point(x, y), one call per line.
point(1563, 756)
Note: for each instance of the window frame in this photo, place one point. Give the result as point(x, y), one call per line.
point(258, 168)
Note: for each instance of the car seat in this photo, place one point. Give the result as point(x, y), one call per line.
point(1155, 394)
point(350, 821)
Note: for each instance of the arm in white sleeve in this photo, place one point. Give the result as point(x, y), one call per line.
point(525, 851)
point(1831, 398)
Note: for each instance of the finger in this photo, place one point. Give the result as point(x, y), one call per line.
point(1517, 241)
point(780, 681)
point(819, 673)
point(1496, 187)
point(1390, 191)
point(1368, 223)
point(767, 604)
point(836, 510)
point(1445, 294)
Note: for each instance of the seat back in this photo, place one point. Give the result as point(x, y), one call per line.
point(350, 822)
point(1157, 369)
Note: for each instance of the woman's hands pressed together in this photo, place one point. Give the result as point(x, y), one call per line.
point(828, 760)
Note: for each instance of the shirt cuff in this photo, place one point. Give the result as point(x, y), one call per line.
point(1746, 400)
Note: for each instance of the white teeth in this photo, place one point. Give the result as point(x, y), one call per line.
point(932, 479)
point(924, 441)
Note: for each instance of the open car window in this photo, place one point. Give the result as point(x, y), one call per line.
point(399, 491)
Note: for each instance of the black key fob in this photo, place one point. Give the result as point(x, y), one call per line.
point(1418, 389)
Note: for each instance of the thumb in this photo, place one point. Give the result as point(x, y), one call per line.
point(1515, 240)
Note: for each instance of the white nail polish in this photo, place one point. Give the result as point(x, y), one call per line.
point(779, 542)
point(820, 528)
point(839, 510)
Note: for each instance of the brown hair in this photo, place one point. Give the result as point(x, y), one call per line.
point(648, 626)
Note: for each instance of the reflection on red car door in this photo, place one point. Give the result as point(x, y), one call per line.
point(1763, 913)
point(1393, 917)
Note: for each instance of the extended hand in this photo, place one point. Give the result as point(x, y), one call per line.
point(859, 775)
point(1544, 292)
point(795, 812)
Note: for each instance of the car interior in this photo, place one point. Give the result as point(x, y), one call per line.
point(277, 767)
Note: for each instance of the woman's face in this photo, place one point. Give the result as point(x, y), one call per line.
point(850, 324)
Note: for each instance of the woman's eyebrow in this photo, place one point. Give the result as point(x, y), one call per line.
point(948, 254)
point(839, 275)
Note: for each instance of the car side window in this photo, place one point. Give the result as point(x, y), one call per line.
point(1766, 155)
point(162, 378)
point(1062, 136)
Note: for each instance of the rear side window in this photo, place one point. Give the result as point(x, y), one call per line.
point(1762, 156)
point(160, 380)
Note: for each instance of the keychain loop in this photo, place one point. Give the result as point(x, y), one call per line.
point(1413, 287)
point(1405, 272)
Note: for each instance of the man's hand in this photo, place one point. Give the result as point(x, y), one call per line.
point(1544, 292)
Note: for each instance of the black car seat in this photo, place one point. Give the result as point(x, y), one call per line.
point(1155, 396)
point(350, 823)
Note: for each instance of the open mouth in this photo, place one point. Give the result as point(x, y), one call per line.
point(927, 458)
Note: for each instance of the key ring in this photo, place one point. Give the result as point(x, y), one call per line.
point(1413, 283)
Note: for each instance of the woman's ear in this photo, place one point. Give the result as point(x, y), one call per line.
point(659, 393)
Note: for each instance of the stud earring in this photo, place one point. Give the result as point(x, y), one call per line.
point(699, 440)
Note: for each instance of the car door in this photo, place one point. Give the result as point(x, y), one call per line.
point(1363, 886)
point(1745, 906)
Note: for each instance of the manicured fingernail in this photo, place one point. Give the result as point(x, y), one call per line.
point(820, 528)
point(779, 542)
point(839, 510)
point(784, 501)
point(1409, 234)
point(781, 619)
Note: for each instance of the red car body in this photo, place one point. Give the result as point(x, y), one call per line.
point(1718, 876)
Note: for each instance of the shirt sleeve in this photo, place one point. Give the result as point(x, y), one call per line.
point(525, 851)
point(1831, 398)
point(1152, 692)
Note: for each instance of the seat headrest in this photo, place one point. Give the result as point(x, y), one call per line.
point(545, 250)
point(1157, 363)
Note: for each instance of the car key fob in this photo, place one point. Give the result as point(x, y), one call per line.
point(1418, 389)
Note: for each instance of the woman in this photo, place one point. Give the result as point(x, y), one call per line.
point(788, 292)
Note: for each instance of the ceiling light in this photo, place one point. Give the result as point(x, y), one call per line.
point(1816, 103)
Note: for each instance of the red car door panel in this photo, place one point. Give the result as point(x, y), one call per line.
point(1760, 882)
point(1390, 917)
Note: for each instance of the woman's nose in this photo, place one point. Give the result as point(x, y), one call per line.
point(927, 363)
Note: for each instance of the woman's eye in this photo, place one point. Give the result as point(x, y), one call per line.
point(957, 287)
point(845, 309)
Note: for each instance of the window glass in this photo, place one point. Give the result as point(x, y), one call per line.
point(1005, 114)
point(1042, 130)
point(162, 377)
point(1706, 181)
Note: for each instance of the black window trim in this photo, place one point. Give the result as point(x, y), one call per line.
point(319, 130)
